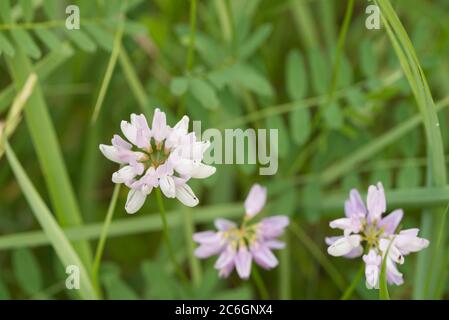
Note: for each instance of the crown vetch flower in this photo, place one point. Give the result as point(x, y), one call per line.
point(237, 246)
point(365, 225)
point(160, 156)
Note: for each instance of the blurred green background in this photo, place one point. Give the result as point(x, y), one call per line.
point(253, 63)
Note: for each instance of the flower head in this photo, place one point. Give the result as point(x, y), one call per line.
point(365, 225)
point(160, 156)
point(238, 246)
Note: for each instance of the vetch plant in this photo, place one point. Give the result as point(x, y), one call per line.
point(382, 241)
point(238, 246)
point(161, 157)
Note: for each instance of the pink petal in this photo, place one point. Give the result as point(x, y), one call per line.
point(255, 200)
point(224, 224)
point(391, 222)
point(376, 202)
point(354, 206)
point(263, 256)
point(243, 262)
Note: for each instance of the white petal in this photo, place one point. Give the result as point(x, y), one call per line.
point(185, 194)
point(182, 126)
point(344, 245)
point(376, 202)
point(168, 187)
point(342, 223)
point(185, 167)
point(203, 171)
point(124, 174)
point(159, 127)
point(194, 168)
point(372, 276)
point(111, 153)
point(129, 131)
point(135, 201)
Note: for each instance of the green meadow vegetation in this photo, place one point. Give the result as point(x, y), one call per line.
point(353, 106)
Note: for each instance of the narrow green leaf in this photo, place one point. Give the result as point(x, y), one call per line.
point(255, 41)
point(5, 45)
point(48, 37)
point(179, 85)
point(277, 122)
point(5, 11)
point(417, 80)
point(319, 69)
point(50, 8)
point(296, 75)
point(204, 93)
point(333, 116)
point(368, 58)
point(27, 271)
point(103, 37)
point(49, 153)
point(251, 79)
point(299, 121)
point(27, 9)
point(52, 230)
point(81, 40)
point(24, 40)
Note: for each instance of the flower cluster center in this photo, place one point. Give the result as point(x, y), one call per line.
point(155, 155)
point(372, 233)
point(242, 236)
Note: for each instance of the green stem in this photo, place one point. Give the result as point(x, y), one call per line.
point(348, 292)
point(166, 236)
point(338, 54)
point(109, 71)
point(285, 275)
point(260, 284)
point(194, 265)
point(103, 235)
point(133, 81)
point(191, 50)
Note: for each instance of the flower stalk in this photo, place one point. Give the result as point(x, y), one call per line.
point(166, 235)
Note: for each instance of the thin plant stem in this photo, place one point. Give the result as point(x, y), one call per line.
point(260, 284)
point(348, 292)
point(109, 70)
point(285, 274)
point(133, 81)
point(191, 50)
point(165, 232)
point(189, 227)
point(338, 55)
point(104, 234)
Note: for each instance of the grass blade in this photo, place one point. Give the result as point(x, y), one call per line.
point(49, 153)
point(435, 150)
point(54, 233)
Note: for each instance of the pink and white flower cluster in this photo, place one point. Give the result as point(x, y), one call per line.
point(160, 156)
point(237, 246)
point(366, 225)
